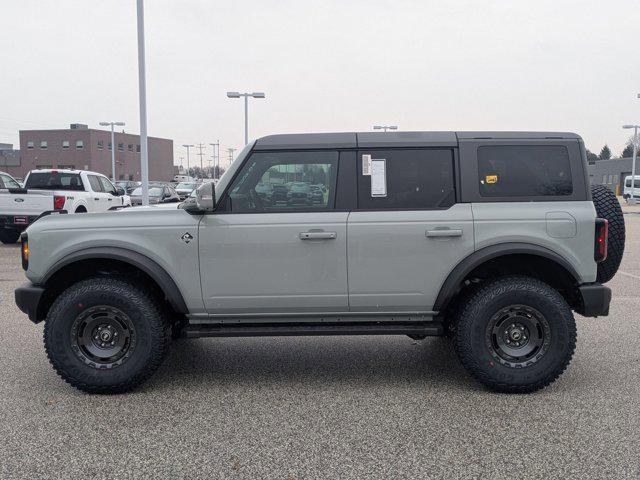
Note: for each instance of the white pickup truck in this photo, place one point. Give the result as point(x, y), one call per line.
point(75, 191)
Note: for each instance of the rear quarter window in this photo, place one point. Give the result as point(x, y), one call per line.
point(524, 171)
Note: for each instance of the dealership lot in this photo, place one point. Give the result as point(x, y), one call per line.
point(326, 407)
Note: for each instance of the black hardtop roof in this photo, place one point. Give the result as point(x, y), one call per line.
point(292, 141)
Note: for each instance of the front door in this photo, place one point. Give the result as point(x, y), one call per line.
point(408, 232)
point(276, 244)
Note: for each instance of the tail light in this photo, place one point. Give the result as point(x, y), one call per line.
point(600, 247)
point(58, 202)
point(24, 240)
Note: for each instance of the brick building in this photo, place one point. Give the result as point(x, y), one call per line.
point(86, 148)
point(9, 159)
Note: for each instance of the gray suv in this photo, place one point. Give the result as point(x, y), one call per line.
point(490, 239)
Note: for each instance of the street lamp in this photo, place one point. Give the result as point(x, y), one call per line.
point(246, 108)
point(188, 147)
point(142, 99)
point(113, 146)
point(385, 127)
point(632, 199)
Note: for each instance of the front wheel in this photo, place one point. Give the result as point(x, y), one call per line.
point(515, 334)
point(105, 335)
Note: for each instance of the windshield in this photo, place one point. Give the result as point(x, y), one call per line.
point(185, 186)
point(153, 191)
point(54, 181)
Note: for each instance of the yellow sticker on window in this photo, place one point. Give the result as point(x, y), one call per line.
point(491, 178)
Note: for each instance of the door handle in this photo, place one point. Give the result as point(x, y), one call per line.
point(443, 232)
point(318, 235)
point(97, 199)
point(109, 199)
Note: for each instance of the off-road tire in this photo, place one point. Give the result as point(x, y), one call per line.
point(607, 206)
point(473, 342)
point(9, 236)
point(152, 334)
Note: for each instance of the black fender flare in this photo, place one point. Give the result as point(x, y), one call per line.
point(138, 260)
point(456, 276)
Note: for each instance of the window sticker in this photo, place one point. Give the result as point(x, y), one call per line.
point(366, 164)
point(379, 178)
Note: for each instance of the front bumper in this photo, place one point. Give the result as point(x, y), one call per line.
point(595, 300)
point(28, 298)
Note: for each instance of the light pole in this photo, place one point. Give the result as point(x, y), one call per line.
point(246, 108)
point(215, 163)
point(188, 147)
point(113, 147)
point(142, 93)
point(385, 127)
point(632, 199)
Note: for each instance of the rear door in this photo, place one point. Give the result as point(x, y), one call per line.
point(408, 231)
point(263, 255)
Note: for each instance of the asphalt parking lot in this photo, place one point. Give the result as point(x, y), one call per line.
point(326, 407)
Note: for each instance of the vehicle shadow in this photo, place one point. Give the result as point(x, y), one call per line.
point(312, 360)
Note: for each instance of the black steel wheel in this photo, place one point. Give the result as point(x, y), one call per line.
point(518, 336)
point(103, 336)
point(515, 334)
point(106, 334)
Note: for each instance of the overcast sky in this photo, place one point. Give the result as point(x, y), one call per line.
point(325, 65)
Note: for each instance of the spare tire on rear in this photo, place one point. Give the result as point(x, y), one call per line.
point(608, 207)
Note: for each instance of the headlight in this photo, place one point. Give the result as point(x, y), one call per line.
point(24, 240)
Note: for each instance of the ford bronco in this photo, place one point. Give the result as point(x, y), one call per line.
point(491, 239)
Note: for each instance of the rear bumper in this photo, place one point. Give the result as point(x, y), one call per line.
point(28, 298)
point(595, 300)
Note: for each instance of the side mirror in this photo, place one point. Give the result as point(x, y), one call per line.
point(205, 199)
point(119, 192)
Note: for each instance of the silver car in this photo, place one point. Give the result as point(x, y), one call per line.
point(492, 239)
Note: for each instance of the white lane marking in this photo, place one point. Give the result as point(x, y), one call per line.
point(629, 274)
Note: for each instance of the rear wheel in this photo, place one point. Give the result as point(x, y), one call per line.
point(105, 335)
point(607, 206)
point(515, 334)
point(9, 236)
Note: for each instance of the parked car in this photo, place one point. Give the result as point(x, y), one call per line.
point(128, 185)
point(75, 191)
point(626, 192)
point(279, 193)
point(183, 189)
point(488, 238)
point(299, 192)
point(183, 178)
point(157, 194)
point(265, 192)
point(316, 194)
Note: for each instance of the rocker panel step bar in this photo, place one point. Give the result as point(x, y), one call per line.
point(310, 329)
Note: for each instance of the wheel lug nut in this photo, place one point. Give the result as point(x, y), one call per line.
point(96, 337)
point(99, 328)
point(113, 343)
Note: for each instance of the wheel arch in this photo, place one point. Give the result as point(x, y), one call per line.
point(134, 259)
point(503, 252)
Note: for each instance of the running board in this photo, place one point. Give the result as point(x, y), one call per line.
point(309, 329)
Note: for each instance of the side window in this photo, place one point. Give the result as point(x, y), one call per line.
point(410, 179)
point(94, 181)
point(524, 171)
point(285, 182)
point(107, 186)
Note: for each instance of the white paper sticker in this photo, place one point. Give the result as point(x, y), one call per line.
point(378, 178)
point(366, 164)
